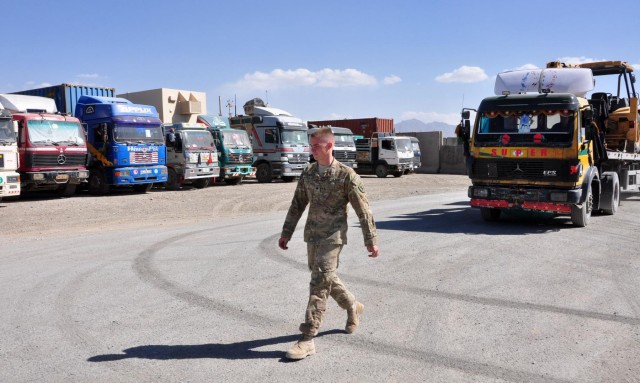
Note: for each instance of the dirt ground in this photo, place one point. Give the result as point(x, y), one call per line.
point(39, 214)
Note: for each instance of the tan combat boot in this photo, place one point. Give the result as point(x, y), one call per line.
point(353, 317)
point(303, 348)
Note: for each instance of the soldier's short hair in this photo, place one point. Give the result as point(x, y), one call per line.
point(322, 132)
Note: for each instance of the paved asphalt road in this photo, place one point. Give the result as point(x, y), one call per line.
point(450, 299)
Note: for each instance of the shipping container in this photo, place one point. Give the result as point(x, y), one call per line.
point(360, 126)
point(66, 95)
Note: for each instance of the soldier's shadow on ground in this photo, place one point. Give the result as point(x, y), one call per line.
point(460, 218)
point(231, 351)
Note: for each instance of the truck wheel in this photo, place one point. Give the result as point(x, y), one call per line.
point(142, 188)
point(398, 174)
point(263, 173)
point(233, 181)
point(610, 197)
point(201, 183)
point(580, 215)
point(381, 170)
point(288, 178)
point(98, 183)
point(172, 180)
point(490, 214)
point(67, 190)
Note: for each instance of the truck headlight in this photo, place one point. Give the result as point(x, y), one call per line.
point(121, 173)
point(38, 176)
point(284, 159)
point(480, 192)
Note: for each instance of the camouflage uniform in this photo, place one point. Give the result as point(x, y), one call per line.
point(326, 232)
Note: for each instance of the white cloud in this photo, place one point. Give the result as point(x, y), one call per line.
point(449, 118)
point(577, 60)
point(526, 67)
point(464, 74)
point(301, 77)
point(390, 80)
point(88, 75)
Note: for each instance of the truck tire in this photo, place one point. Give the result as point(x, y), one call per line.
point(580, 215)
point(381, 170)
point(610, 196)
point(288, 178)
point(98, 183)
point(398, 174)
point(173, 182)
point(233, 181)
point(201, 183)
point(67, 190)
point(490, 214)
point(142, 188)
point(263, 173)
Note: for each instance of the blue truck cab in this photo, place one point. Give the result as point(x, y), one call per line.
point(125, 141)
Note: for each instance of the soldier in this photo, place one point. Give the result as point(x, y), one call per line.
point(327, 186)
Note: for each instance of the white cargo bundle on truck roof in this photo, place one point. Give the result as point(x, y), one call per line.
point(577, 81)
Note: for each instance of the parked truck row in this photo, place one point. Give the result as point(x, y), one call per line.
point(69, 136)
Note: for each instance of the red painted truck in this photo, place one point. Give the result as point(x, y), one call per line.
point(52, 147)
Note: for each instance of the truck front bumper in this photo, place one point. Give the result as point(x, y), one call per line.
point(538, 199)
point(9, 184)
point(289, 169)
point(193, 173)
point(53, 178)
point(235, 171)
point(139, 175)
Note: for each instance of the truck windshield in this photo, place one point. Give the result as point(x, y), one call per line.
point(44, 132)
point(404, 144)
point(236, 139)
point(7, 136)
point(138, 133)
point(525, 127)
point(344, 140)
point(197, 139)
point(295, 137)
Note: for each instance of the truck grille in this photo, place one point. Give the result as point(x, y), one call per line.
point(143, 158)
point(55, 160)
point(344, 156)
point(299, 158)
point(406, 160)
point(240, 158)
point(509, 169)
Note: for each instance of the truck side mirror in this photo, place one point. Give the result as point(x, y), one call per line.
point(15, 127)
point(587, 117)
point(465, 114)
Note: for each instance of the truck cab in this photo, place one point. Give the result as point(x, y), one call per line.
point(125, 141)
point(384, 153)
point(234, 150)
point(9, 177)
point(417, 156)
point(279, 140)
point(344, 149)
point(192, 157)
point(52, 147)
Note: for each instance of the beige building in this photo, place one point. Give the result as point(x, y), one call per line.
point(173, 105)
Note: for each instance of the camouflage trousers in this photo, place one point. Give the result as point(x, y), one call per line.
point(323, 260)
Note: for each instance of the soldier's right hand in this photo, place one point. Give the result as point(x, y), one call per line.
point(282, 242)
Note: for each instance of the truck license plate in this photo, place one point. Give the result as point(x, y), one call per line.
point(62, 177)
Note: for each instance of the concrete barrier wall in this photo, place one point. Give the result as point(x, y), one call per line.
point(430, 145)
point(439, 155)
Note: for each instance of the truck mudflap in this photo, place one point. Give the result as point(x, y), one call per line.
point(139, 175)
point(56, 177)
point(239, 171)
point(547, 200)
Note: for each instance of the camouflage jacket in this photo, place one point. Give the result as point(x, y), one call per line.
point(327, 196)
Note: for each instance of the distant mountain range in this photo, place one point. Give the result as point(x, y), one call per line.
point(414, 125)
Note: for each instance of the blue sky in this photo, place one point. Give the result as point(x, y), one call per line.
point(318, 60)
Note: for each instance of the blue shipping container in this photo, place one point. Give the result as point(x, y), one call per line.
point(66, 95)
